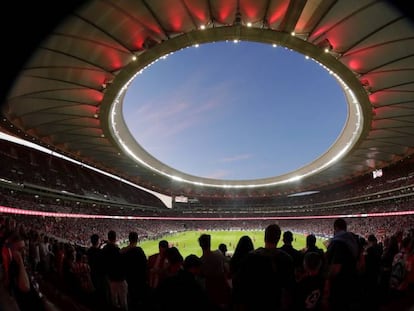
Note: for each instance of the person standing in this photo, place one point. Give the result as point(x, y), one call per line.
point(310, 284)
point(215, 271)
point(243, 248)
point(115, 273)
point(293, 252)
point(94, 254)
point(134, 261)
point(266, 277)
point(340, 292)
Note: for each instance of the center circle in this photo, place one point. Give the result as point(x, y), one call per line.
point(239, 111)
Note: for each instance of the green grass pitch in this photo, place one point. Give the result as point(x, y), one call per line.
point(187, 242)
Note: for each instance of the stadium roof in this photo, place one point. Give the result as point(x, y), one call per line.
point(68, 88)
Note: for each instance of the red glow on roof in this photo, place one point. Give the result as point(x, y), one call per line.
point(146, 20)
point(251, 10)
point(88, 110)
point(114, 61)
point(300, 25)
point(94, 95)
point(198, 10)
point(278, 13)
point(176, 24)
point(373, 98)
point(139, 38)
point(355, 65)
point(226, 9)
point(319, 32)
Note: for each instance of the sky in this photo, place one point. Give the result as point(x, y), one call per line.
point(235, 111)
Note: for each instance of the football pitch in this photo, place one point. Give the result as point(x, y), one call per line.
point(187, 242)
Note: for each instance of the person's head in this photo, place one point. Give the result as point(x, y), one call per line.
point(272, 235)
point(340, 225)
point(16, 243)
point(175, 259)
point(174, 256)
point(112, 236)
point(223, 248)
point(372, 239)
point(287, 237)
point(192, 263)
point(162, 247)
point(244, 245)
point(310, 240)
point(133, 237)
point(94, 239)
point(312, 262)
point(205, 241)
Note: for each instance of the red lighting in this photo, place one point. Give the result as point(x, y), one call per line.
point(17, 211)
point(251, 9)
point(355, 65)
point(277, 13)
point(199, 10)
point(226, 12)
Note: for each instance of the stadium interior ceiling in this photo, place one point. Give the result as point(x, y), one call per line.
point(67, 65)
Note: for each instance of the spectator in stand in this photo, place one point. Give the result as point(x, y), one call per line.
point(266, 276)
point(399, 274)
point(34, 250)
point(134, 261)
point(223, 249)
point(243, 248)
point(157, 264)
point(69, 279)
point(44, 252)
point(181, 290)
point(293, 252)
point(215, 271)
point(82, 273)
point(390, 250)
point(341, 287)
point(371, 272)
point(95, 260)
point(310, 284)
point(22, 285)
point(311, 245)
point(115, 273)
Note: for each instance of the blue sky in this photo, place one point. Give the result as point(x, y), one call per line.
point(235, 110)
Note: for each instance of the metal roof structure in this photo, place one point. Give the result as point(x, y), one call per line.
point(67, 94)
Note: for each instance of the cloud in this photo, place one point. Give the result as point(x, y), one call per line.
point(235, 158)
point(156, 122)
point(219, 174)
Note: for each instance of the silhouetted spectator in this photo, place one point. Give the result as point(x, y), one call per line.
point(22, 285)
point(95, 260)
point(266, 276)
point(115, 273)
point(391, 248)
point(215, 270)
point(309, 286)
point(135, 265)
point(372, 263)
point(293, 252)
point(341, 290)
point(243, 248)
point(311, 245)
point(157, 264)
point(181, 290)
